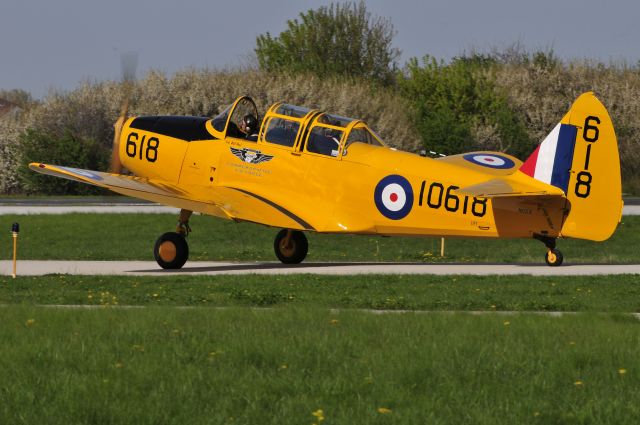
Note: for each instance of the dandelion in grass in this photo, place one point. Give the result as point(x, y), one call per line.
point(334, 321)
point(319, 415)
point(578, 383)
point(30, 322)
point(384, 410)
point(118, 365)
point(536, 414)
point(283, 367)
point(213, 355)
point(622, 371)
point(506, 323)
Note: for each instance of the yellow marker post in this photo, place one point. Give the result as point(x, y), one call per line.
point(15, 229)
point(442, 247)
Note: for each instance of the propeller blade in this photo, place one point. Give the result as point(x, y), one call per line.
point(129, 64)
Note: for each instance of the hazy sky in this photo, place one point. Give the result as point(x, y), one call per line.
point(54, 44)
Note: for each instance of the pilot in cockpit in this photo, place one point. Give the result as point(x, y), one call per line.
point(249, 126)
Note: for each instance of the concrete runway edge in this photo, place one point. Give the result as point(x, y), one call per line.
point(194, 268)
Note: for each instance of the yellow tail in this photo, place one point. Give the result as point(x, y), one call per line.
point(594, 192)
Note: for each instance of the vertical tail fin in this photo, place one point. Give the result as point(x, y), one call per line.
point(580, 156)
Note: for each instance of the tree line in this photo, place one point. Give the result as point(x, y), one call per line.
point(341, 59)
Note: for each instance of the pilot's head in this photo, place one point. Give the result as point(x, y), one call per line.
point(249, 124)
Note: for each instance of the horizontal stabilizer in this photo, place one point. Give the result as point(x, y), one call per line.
point(516, 184)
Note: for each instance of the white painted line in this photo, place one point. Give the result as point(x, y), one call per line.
point(88, 209)
point(554, 314)
point(139, 209)
point(194, 268)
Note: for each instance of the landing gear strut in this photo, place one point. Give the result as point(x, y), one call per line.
point(554, 256)
point(291, 246)
point(171, 250)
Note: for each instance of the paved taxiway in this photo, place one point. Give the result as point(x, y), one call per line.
point(150, 268)
point(66, 206)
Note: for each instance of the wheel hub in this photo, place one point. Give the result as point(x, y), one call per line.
point(287, 249)
point(167, 251)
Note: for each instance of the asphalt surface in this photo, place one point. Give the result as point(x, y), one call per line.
point(123, 205)
point(150, 268)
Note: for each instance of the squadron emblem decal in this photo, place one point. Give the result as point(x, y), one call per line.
point(394, 197)
point(251, 156)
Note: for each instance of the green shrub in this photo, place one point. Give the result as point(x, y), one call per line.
point(67, 150)
point(339, 39)
point(458, 107)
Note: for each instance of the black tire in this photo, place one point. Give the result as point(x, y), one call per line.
point(297, 249)
point(171, 250)
point(553, 257)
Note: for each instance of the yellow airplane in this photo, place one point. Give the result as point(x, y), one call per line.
point(305, 170)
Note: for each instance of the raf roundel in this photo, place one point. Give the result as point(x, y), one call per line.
point(490, 160)
point(394, 197)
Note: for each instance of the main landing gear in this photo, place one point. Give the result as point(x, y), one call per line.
point(291, 246)
point(171, 250)
point(554, 256)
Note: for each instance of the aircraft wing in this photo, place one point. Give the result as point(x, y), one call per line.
point(224, 202)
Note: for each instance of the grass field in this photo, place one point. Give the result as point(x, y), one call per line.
point(163, 365)
point(308, 349)
point(131, 237)
point(411, 292)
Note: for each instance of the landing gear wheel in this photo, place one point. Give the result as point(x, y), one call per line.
point(171, 250)
point(554, 257)
point(291, 246)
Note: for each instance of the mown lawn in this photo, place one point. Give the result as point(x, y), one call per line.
point(299, 348)
point(162, 365)
point(608, 294)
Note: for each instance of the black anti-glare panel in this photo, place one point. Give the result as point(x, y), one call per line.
point(185, 128)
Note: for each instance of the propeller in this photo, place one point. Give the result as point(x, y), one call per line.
point(129, 63)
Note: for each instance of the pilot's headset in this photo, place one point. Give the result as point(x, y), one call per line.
point(249, 124)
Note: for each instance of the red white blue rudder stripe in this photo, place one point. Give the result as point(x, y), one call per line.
point(551, 161)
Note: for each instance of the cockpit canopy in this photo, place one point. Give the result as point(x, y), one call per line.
point(297, 128)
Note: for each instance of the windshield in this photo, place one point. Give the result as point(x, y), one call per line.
point(220, 120)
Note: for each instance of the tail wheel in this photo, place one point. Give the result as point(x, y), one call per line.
point(291, 246)
point(171, 250)
point(554, 257)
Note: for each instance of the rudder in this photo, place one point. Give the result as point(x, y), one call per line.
point(580, 156)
